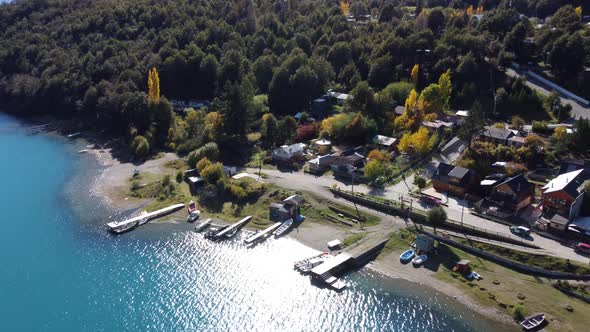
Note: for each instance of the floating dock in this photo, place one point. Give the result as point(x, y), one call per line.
point(125, 225)
point(261, 236)
point(324, 273)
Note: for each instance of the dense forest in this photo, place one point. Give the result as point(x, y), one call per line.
point(90, 59)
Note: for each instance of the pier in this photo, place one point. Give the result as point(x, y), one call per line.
point(125, 225)
point(356, 257)
point(261, 236)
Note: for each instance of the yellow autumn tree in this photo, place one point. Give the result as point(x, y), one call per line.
point(560, 133)
point(420, 141)
point(479, 10)
point(579, 10)
point(153, 85)
point(470, 10)
point(345, 7)
point(412, 102)
point(414, 74)
point(404, 143)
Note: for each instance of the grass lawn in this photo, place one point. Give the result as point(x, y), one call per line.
point(353, 238)
point(501, 287)
point(150, 186)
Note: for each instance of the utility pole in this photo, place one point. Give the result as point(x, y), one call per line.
point(356, 207)
point(463, 208)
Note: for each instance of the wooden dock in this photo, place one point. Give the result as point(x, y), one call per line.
point(131, 222)
point(233, 227)
point(260, 236)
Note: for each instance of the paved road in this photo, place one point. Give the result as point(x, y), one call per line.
point(319, 185)
point(578, 111)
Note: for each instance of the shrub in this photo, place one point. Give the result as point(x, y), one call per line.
point(209, 150)
point(212, 173)
point(519, 312)
point(540, 126)
point(306, 132)
point(179, 176)
point(202, 164)
point(437, 216)
point(140, 146)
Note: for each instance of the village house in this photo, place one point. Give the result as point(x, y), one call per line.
point(385, 142)
point(347, 165)
point(508, 197)
point(287, 209)
point(399, 110)
point(496, 135)
point(564, 195)
point(288, 153)
point(320, 164)
point(452, 179)
point(437, 126)
point(337, 97)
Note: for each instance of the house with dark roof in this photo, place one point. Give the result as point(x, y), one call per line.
point(564, 195)
point(347, 165)
point(452, 179)
point(508, 197)
point(496, 135)
point(570, 165)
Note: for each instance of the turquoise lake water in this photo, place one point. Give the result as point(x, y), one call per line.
point(61, 270)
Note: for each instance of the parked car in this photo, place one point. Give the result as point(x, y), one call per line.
point(430, 200)
point(583, 248)
point(520, 230)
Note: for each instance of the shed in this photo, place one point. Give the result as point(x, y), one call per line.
point(462, 266)
point(195, 182)
point(424, 243)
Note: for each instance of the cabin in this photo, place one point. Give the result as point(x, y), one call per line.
point(337, 98)
point(320, 108)
point(289, 208)
point(452, 179)
point(399, 110)
point(564, 194)
point(462, 266)
point(437, 126)
point(288, 153)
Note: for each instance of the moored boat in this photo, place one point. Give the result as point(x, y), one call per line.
point(122, 227)
point(532, 322)
point(407, 255)
point(285, 227)
point(419, 260)
point(193, 216)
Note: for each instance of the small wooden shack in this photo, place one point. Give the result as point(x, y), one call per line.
point(462, 266)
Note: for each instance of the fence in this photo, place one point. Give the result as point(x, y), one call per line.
point(536, 271)
point(420, 216)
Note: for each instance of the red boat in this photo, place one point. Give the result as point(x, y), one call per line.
point(192, 207)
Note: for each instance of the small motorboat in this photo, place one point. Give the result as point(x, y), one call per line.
point(202, 226)
point(192, 207)
point(143, 220)
point(213, 234)
point(407, 255)
point(419, 260)
point(533, 322)
point(193, 216)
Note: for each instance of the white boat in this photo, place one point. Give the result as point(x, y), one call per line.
point(193, 216)
point(200, 227)
point(122, 226)
point(532, 322)
point(419, 260)
point(285, 227)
